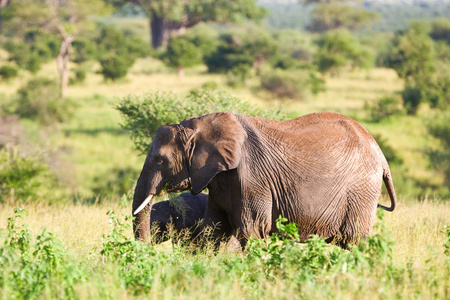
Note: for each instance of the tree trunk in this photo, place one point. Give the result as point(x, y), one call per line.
point(63, 63)
point(162, 29)
point(159, 31)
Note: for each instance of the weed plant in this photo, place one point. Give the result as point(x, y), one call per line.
point(280, 266)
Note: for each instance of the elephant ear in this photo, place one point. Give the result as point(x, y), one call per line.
point(215, 146)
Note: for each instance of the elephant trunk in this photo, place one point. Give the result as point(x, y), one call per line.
point(142, 205)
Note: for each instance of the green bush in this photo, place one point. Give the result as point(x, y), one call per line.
point(284, 84)
point(182, 53)
point(294, 50)
point(35, 47)
point(40, 100)
point(142, 116)
point(8, 72)
point(79, 75)
point(384, 108)
point(439, 127)
point(250, 47)
point(339, 49)
point(35, 269)
point(412, 97)
point(291, 84)
point(115, 67)
point(238, 75)
point(24, 178)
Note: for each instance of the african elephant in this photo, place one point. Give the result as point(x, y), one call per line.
point(184, 213)
point(323, 171)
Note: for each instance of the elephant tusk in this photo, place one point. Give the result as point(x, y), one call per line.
point(144, 204)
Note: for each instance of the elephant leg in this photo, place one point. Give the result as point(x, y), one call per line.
point(252, 222)
point(215, 225)
point(359, 219)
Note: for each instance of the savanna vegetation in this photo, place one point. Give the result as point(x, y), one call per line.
point(85, 84)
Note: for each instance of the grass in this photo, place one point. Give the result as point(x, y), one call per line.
point(417, 228)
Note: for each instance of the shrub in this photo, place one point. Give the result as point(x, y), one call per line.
point(182, 53)
point(251, 47)
point(40, 100)
point(35, 48)
point(238, 75)
point(290, 84)
point(439, 128)
point(412, 97)
point(142, 116)
point(24, 178)
point(115, 67)
point(384, 108)
point(338, 49)
point(283, 84)
point(79, 75)
point(8, 72)
point(34, 269)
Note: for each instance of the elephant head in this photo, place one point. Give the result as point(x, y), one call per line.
point(186, 156)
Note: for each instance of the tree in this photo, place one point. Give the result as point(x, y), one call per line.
point(412, 56)
point(182, 53)
point(64, 18)
point(168, 17)
point(338, 49)
point(335, 14)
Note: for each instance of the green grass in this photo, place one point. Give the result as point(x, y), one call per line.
point(96, 258)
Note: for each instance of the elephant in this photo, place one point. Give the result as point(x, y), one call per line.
point(184, 213)
point(322, 171)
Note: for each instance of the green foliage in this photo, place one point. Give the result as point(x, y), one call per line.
point(204, 38)
point(25, 178)
point(390, 154)
point(339, 14)
point(40, 267)
point(39, 99)
point(339, 49)
point(412, 97)
point(35, 269)
point(115, 182)
point(115, 67)
point(447, 240)
point(282, 84)
point(182, 53)
point(8, 72)
point(80, 73)
point(294, 50)
point(384, 108)
point(412, 55)
point(117, 52)
point(250, 47)
point(439, 127)
point(238, 75)
point(35, 47)
point(84, 49)
point(142, 116)
point(440, 30)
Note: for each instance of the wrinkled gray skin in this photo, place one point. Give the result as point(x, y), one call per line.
point(323, 171)
point(182, 216)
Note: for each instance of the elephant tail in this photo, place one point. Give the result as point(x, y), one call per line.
point(387, 178)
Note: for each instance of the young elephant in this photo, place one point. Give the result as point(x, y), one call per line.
point(183, 212)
